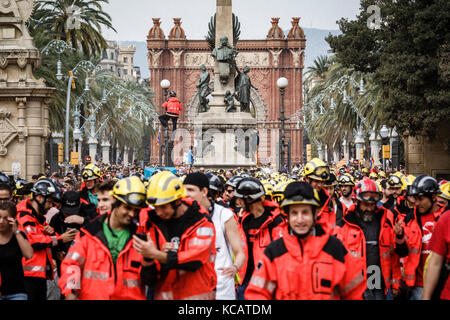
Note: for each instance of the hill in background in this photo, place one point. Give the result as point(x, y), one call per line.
point(315, 46)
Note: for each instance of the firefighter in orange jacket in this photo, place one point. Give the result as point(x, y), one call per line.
point(418, 229)
point(368, 234)
point(173, 108)
point(260, 224)
point(102, 264)
point(316, 173)
point(42, 237)
point(180, 241)
point(307, 262)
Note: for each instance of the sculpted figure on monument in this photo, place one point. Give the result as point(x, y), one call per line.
point(225, 55)
point(243, 85)
point(229, 101)
point(203, 89)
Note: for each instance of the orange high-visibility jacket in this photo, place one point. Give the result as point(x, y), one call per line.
point(413, 238)
point(173, 106)
point(326, 214)
point(40, 265)
point(318, 268)
point(352, 235)
point(89, 272)
point(269, 231)
point(189, 273)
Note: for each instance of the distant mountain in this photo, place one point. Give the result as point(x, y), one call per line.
point(315, 46)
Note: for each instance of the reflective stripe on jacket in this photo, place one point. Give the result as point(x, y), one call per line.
point(189, 273)
point(173, 106)
point(88, 269)
point(319, 268)
point(413, 238)
point(40, 241)
point(352, 235)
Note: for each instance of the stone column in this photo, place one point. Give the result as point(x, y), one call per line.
point(359, 141)
point(375, 146)
point(125, 156)
point(346, 149)
point(336, 153)
point(320, 151)
point(92, 142)
point(105, 151)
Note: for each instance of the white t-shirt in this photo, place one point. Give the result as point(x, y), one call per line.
point(346, 202)
point(225, 289)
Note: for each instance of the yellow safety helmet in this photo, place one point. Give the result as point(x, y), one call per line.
point(317, 169)
point(278, 190)
point(394, 181)
point(445, 191)
point(163, 188)
point(382, 174)
point(268, 187)
point(130, 191)
point(91, 172)
point(346, 180)
point(365, 170)
point(407, 181)
point(373, 175)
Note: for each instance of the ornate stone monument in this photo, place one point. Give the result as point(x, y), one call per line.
point(24, 100)
point(225, 136)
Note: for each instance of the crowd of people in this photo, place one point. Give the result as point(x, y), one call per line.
point(318, 233)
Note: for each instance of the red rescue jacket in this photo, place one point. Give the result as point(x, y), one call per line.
point(173, 106)
point(40, 265)
point(88, 269)
point(326, 214)
point(352, 235)
point(319, 268)
point(189, 273)
point(413, 238)
point(270, 230)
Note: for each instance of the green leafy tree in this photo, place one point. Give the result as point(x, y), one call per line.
point(78, 22)
point(407, 55)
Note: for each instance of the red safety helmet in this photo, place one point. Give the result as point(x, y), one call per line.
point(366, 186)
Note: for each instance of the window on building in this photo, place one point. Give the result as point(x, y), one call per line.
point(125, 71)
point(112, 55)
point(125, 59)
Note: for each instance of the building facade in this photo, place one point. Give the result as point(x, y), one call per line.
point(178, 60)
point(120, 61)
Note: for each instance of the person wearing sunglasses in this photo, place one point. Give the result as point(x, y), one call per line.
point(368, 234)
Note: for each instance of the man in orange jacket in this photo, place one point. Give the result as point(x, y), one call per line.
point(173, 108)
point(306, 263)
point(42, 237)
point(102, 264)
point(180, 242)
point(367, 232)
point(260, 224)
point(418, 229)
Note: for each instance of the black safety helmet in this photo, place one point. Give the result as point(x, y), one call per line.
point(215, 183)
point(233, 181)
point(172, 94)
point(332, 181)
point(5, 179)
point(249, 188)
point(424, 185)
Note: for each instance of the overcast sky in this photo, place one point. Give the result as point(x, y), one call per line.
point(133, 18)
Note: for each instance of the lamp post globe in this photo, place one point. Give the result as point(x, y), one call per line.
point(282, 83)
point(384, 131)
point(165, 84)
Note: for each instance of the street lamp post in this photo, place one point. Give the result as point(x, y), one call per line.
point(282, 83)
point(384, 132)
point(165, 85)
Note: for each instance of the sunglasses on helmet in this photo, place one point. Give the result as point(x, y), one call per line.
point(322, 172)
point(372, 198)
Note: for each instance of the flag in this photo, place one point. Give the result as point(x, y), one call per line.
point(342, 163)
point(157, 141)
point(372, 161)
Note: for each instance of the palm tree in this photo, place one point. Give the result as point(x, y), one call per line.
point(320, 67)
point(78, 22)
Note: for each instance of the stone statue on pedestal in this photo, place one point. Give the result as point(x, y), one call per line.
point(203, 89)
point(225, 55)
point(229, 101)
point(243, 85)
